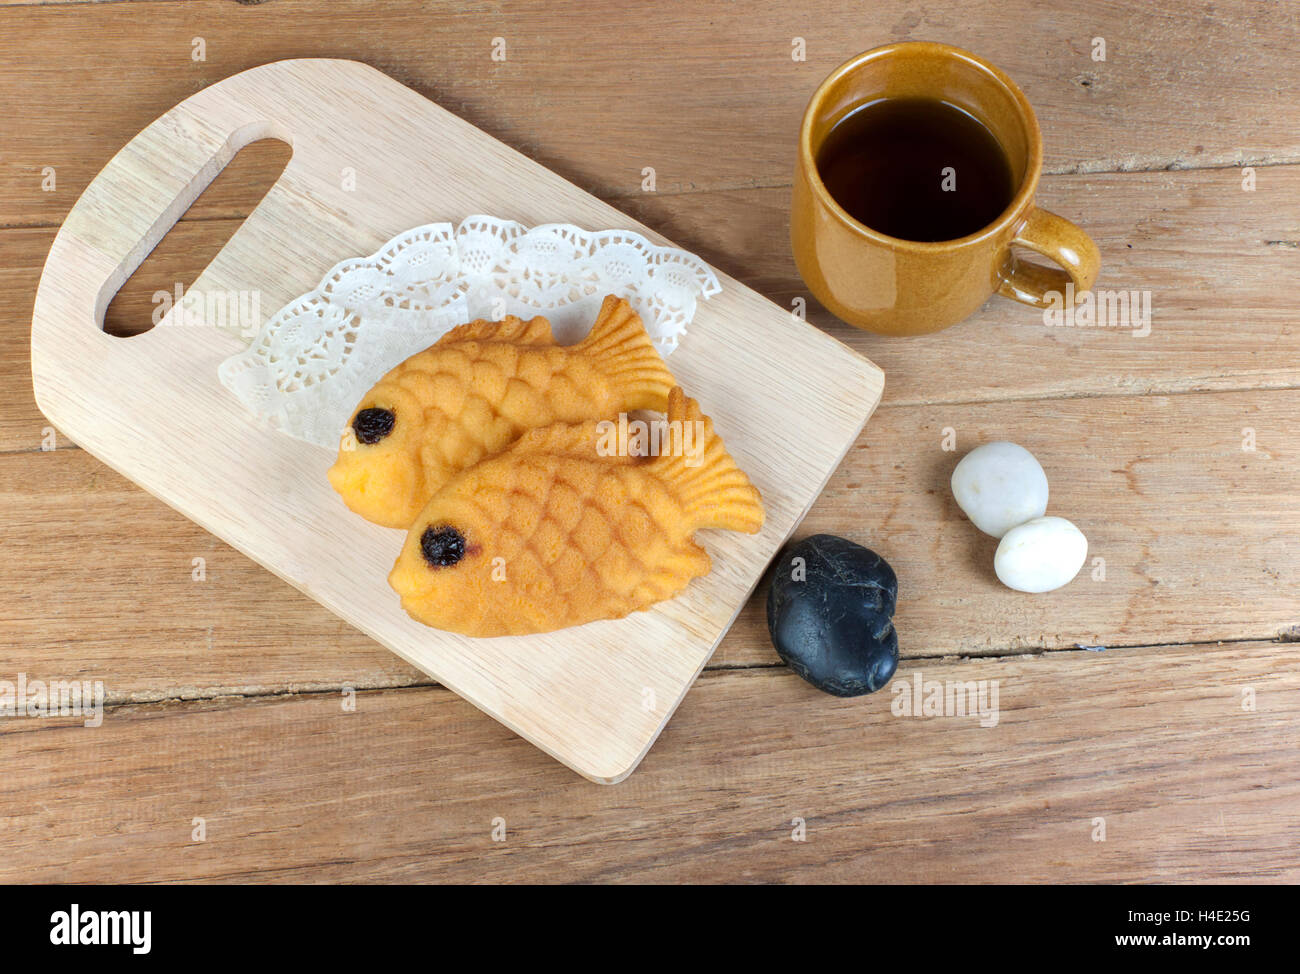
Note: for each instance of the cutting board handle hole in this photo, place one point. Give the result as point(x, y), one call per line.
point(190, 244)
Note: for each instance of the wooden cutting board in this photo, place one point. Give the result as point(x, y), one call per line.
point(372, 158)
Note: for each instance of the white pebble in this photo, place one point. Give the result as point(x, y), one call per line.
point(1040, 555)
point(999, 485)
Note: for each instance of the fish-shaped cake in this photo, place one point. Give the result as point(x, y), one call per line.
point(475, 391)
point(564, 528)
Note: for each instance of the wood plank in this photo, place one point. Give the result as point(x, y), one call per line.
point(100, 578)
point(1211, 255)
point(1147, 479)
point(1196, 530)
point(1191, 786)
point(599, 112)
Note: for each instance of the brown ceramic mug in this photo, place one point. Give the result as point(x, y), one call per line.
point(906, 287)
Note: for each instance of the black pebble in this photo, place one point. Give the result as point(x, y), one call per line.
point(834, 627)
point(373, 424)
point(442, 546)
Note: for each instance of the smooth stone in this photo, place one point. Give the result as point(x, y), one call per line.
point(999, 485)
point(832, 621)
point(1040, 555)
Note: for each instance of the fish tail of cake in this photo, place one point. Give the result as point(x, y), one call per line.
point(622, 350)
point(714, 491)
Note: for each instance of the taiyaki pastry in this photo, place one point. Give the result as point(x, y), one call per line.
point(475, 391)
point(559, 529)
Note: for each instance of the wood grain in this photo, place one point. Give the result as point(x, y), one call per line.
point(646, 83)
point(1148, 479)
point(1153, 739)
point(1155, 746)
point(1211, 254)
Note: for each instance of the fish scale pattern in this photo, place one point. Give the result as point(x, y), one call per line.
point(509, 391)
point(559, 531)
point(479, 388)
point(615, 547)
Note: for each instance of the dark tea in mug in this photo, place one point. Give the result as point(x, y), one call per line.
point(917, 169)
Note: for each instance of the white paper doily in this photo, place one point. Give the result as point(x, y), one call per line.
point(310, 364)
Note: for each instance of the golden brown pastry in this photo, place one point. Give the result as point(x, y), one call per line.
point(562, 528)
point(475, 391)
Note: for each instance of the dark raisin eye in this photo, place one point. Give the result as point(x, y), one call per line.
point(442, 545)
point(372, 425)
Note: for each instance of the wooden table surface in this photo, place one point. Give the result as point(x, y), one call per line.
point(310, 753)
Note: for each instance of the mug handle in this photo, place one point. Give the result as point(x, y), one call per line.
point(1059, 240)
